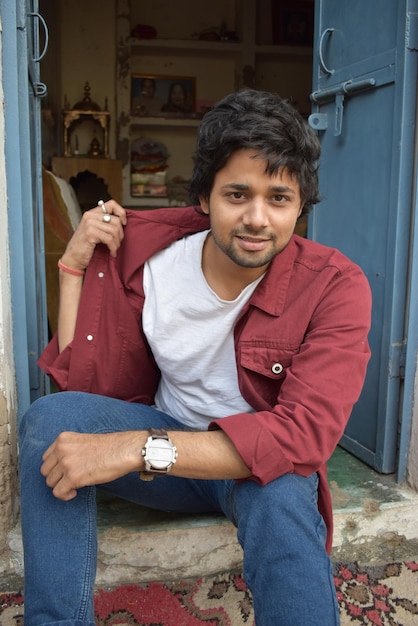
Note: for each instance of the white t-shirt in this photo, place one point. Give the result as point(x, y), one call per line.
point(190, 331)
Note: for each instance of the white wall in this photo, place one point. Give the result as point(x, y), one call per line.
point(87, 53)
point(8, 447)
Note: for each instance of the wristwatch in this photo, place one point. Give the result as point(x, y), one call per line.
point(159, 454)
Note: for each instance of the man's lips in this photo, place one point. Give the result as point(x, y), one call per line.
point(249, 242)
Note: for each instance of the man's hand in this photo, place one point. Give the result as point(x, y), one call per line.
point(77, 460)
point(93, 230)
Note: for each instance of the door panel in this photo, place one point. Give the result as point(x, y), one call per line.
point(36, 292)
point(363, 108)
point(25, 215)
point(361, 30)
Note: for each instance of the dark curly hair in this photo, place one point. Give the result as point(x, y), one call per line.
point(264, 122)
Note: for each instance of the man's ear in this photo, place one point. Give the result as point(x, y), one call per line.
point(204, 205)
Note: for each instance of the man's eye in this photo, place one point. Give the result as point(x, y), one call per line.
point(236, 195)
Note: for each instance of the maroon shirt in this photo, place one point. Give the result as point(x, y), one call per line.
point(301, 346)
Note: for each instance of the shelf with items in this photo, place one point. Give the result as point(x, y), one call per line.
point(254, 55)
point(177, 168)
point(175, 50)
point(148, 170)
point(86, 115)
point(159, 183)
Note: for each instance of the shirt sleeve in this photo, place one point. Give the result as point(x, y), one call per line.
point(322, 383)
point(109, 354)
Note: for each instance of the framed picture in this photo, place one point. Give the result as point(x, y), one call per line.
point(293, 22)
point(163, 95)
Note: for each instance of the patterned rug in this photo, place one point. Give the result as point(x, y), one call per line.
point(384, 595)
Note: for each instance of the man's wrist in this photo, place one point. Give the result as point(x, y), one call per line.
point(158, 453)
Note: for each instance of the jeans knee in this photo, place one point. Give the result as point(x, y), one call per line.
point(45, 418)
point(282, 534)
point(283, 508)
point(287, 491)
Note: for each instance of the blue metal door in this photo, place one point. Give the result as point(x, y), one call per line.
point(364, 108)
point(23, 89)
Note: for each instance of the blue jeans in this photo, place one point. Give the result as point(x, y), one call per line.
point(279, 526)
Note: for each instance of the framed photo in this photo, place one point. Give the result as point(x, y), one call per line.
point(164, 96)
point(293, 22)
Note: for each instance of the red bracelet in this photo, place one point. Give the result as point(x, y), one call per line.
point(69, 270)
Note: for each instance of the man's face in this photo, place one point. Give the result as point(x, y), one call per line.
point(252, 214)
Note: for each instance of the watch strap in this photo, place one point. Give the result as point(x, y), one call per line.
point(158, 433)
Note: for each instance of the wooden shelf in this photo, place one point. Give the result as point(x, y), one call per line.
point(277, 52)
point(138, 122)
point(139, 45)
point(151, 201)
point(147, 45)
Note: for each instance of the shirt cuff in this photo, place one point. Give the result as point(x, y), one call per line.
point(256, 445)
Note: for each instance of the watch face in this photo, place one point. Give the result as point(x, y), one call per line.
point(160, 453)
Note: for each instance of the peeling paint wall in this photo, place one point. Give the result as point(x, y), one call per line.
point(8, 446)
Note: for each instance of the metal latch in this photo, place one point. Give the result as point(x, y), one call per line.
point(319, 121)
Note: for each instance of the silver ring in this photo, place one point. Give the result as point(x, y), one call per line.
point(102, 204)
point(106, 218)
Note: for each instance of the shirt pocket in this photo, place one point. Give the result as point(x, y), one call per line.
point(268, 361)
point(263, 371)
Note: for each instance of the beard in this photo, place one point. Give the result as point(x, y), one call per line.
point(247, 258)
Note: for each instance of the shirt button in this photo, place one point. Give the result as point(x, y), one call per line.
point(277, 368)
point(89, 337)
point(100, 274)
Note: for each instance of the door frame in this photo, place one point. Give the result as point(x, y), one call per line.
point(410, 386)
point(24, 202)
point(409, 362)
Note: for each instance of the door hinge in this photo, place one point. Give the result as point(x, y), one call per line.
point(411, 33)
point(397, 360)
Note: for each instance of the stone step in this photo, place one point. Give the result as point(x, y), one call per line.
point(374, 519)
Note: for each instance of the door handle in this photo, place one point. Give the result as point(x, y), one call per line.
point(39, 88)
point(327, 31)
point(45, 27)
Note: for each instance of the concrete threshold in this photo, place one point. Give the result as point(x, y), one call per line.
point(375, 521)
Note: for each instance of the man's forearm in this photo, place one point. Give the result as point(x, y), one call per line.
point(70, 293)
point(207, 455)
point(77, 460)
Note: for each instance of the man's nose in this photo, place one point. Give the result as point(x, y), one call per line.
point(256, 214)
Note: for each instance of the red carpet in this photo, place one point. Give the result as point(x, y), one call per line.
point(384, 595)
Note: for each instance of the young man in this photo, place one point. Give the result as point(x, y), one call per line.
point(242, 345)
